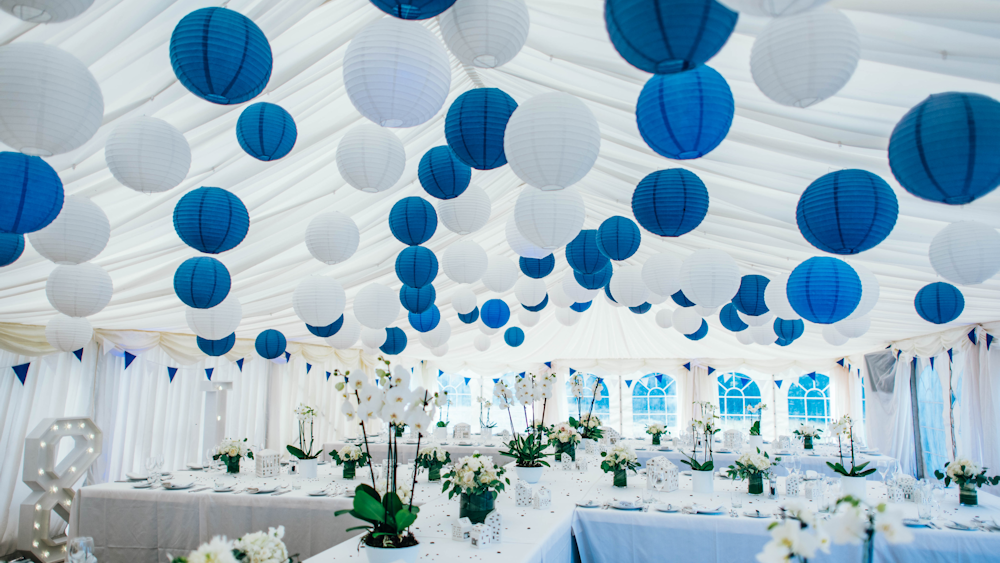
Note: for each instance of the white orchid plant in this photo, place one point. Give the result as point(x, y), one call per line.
point(256, 547)
point(528, 450)
point(757, 410)
point(845, 427)
point(588, 425)
point(704, 429)
point(306, 417)
point(485, 403)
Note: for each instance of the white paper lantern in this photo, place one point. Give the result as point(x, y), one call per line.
point(662, 273)
point(348, 334)
point(320, 300)
point(375, 306)
point(78, 234)
point(217, 322)
point(467, 213)
point(440, 350)
point(373, 338)
point(485, 33)
point(397, 73)
point(575, 291)
point(68, 334)
point(463, 300)
point(804, 59)
point(528, 318)
point(611, 302)
point(481, 342)
point(520, 245)
point(771, 8)
point(552, 141)
point(464, 262)
point(758, 320)
point(628, 288)
point(705, 312)
point(763, 334)
point(654, 298)
point(501, 274)
point(966, 252)
point(79, 290)
point(776, 299)
point(558, 297)
point(485, 329)
point(549, 220)
point(686, 320)
point(437, 336)
point(370, 158)
point(833, 336)
point(744, 337)
point(530, 291)
point(709, 278)
point(45, 11)
point(869, 292)
point(567, 316)
point(332, 237)
point(854, 328)
point(49, 102)
point(147, 155)
point(664, 318)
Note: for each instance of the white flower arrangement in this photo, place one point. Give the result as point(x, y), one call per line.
point(590, 421)
point(962, 469)
point(655, 428)
point(620, 455)
point(350, 453)
point(503, 394)
point(754, 409)
point(304, 413)
point(231, 448)
point(306, 416)
point(263, 547)
point(474, 475)
point(755, 460)
point(218, 550)
point(564, 433)
point(433, 455)
point(808, 430)
point(403, 489)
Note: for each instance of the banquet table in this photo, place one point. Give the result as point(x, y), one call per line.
point(408, 449)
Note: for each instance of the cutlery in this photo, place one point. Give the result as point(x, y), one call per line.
point(197, 490)
point(281, 492)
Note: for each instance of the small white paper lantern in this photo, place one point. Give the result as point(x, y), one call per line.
point(744, 337)
point(464, 262)
point(758, 320)
point(772, 8)
point(463, 300)
point(320, 300)
point(575, 291)
point(148, 155)
point(558, 297)
point(654, 298)
point(217, 322)
point(530, 291)
point(524, 494)
point(440, 350)
point(686, 320)
point(776, 299)
point(488, 331)
point(804, 59)
point(397, 73)
point(370, 158)
point(267, 463)
point(485, 33)
point(870, 290)
point(528, 318)
point(68, 334)
point(45, 11)
point(709, 278)
point(549, 219)
point(376, 306)
point(966, 252)
point(833, 336)
point(332, 237)
point(461, 529)
point(705, 312)
point(78, 234)
point(348, 334)
point(501, 274)
point(51, 102)
point(79, 290)
point(662, 273)
point(854, 328)
point(567, 316)
point(437, 336)
point(467, 213)
point(481, 342)
point(552, 142)
point(628, 288)
point(520, 245)
point(763, 334)
point(373, 337)
point(664, 318)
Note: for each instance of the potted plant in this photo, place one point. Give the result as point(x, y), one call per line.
point(528, 450)
point(968, 476)
point(655, 430)
point(308, 460)
point(564, 439)
point(441, 428)
point(486, 426)
point(703, 429)
point(255, 547)
point(433, 459)
point(477, 481)
point(619, 460)
point(589, 426)
point(350, 457)
point(754, 467)
point(230, 451)
point(809, 434)
point(756, 440)
point(853, 480)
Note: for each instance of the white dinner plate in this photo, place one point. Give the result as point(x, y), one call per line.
point(716, 510)
point(262, 490)
point(756, 514)
point(317, 493)
point(723, 451)
point(625, 505)
point(136, 476)
point(195, 467)
point(178, 486)
point(916, 523)
point(142, 485)
point(588, 504)
point(666, 508)
point(464, 443)
point(223, 490)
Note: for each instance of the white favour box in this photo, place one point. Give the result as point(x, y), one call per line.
point(481, 536)
point(462, 431)
point(495, 523)
point(543, 498)
point(524, 494)
point(908, 484)
point(793, 485)
point(583, 465)
point(461, 529)
point(813, 490)
point(268, 463)
point(784, 443)
point(673, 473)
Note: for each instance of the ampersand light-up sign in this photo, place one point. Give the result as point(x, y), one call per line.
point(52, 483)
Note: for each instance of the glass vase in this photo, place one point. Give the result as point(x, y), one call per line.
point(621, 478)
point(434, 473)
point(232, 464)
point(475, 507)
point(399, 431)
point(756, 484)
point(349, 469)
point(968, 495)
point(656, 439)
point(807, 442)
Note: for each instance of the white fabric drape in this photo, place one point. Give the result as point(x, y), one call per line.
point(890, 417)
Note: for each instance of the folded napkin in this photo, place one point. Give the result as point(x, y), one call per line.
point(810, 474)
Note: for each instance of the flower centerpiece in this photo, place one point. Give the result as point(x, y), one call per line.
point(968, 476)
point(528, 450)
point(477, 481)
point(486, 425)
point(703, 430)
point(619, 460)
point(433, 459)
point(564, 438)
point(230, 451)
point(588, 425)
point(797, 537)
point(754, 467)
point(655, 430)
point(350, 457)
point(308, 461)
point(852, 481)
point(808, 433)
point(441, 428)
point(856, 522)
point(756, 439)
point(256, 547)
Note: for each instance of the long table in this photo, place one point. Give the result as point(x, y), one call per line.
point(408, 449)
point(815, 462)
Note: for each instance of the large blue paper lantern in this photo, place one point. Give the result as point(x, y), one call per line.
point(783, 342)
point(495, 313)
point(413, 9)
point(395, 341)
point(682, 299)
point(700, 333)
point(730, 319)
point(668, 36)
point(685, 115)
point(219, 347)
point(328, 330)
point(537, 268)
point(847, 211)
point(270, 344)
point(513, 336)
point(470, 317)
point(581, 307)
point(417, 299)
point(442, 174)
point(540, 306)
point(945, 148)
point(607, 292)
point(824, 290)
point(416, 266)
point(413, 220)
point(597, 280)
point(31, 193)
point(266, 131)
point(425, 321)
point(201, 282)
point(641, 309)
point(618, 238)
point(220, 56)
point(670, 203)
point(11, 248)
point(211, 220)
point(584, 255)
point(789, 330)
point(749, 300)
point(939, 303)
point(475, 127)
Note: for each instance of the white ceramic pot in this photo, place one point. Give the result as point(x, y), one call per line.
point(756, 442)
point(486, 434)
point(530, 475)
point(703, 481)
point(441, 433)
point(854, 486)
point(307, 467)
point(389, 555)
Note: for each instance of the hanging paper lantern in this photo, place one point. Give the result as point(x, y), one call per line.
point(201, 282)
point(610, 298)
point(266, 131)
point(332, 237)
point(513, 336)
point(537, 268)
point(783, 342)
point(417, 300)
point(552, 141)
point(763, 334)
point(681, 299)
point(463, 300)
point(641, 309)
point(442, 174)
point(464, 262)
point(470, 317)
point(854, 328)
point(51, 102)
point(328, 330)
point(437, 336)
point(416, 266)
point(966, 252)
point(700, 333)
point(348, 334)
point(776, 299)
point(425, 321)
point(147, 155)
point(749, 299)
point(45, 11)
point(731, 320)
point(744, 338)
point(686, 320)
point(270, 344)
point(11, 248)
point(78, 234)
point(710, 277)
point(869, 292)
point(219, 347)
point(664, 318)
point(661, 273)
point(485, 329)
point(68, 334)
point(670, 203)
point(833, 337)
point(481, 342)
point(847, 211)
point(397, 74)
point(475, 126)
point(939, 303)
point(559, 297)
point(618, 238)
point(583, 254)
point(413, 220)
point(500, 275)
point(80, 290)
point(597, 280)
point(804, 59)
point(371, 158)
point(824, 290)
point(756, 320)
point(575, 291)
point(495, 313)
point(485, 33)
point(220, 56)
point(789, 330)
point(31, 193)
point(771, 8)
point(440, 351)
point(567, 316)
point(466, 213)
point(705, 312)
point(375, 306)
point(581, 307)
point(685, 115)
point(528, 318)
point(211, 220)
point(319, 300)
point(655, 298)
point(217, 322)
point(539, 307)
point(668, 36)
point(520, 245)
point(549, 219)
point(373, 338)
point(395, 341)
point(413, 9)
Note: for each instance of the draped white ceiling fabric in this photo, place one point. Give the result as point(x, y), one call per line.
point(910, 49)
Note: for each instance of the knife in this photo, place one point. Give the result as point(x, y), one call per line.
point(197, 490)
point(280, 493)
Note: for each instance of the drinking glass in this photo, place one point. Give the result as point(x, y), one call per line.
point(80, 550)
point(659, 482)
point(736, 497)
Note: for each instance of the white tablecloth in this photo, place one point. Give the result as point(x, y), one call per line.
point(409, 451)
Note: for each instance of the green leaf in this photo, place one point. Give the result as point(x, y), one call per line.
point(345, 511)
point(296, 452)
point(359, 528)
point(404, 518)
point(368, 508)
point(862, 466)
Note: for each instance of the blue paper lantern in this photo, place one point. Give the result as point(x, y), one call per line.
point(470, 317)
point(824, 290)
point(668, 36)
point(789, 330)
point(211, 220)
point(945, 148)
point(607, 292)
point(682, 299)
point(31, 193)
point(328, 330)
point(700, 333)
point(641, 309)
point(219, 347)
point(540, 306)
point(11, 248)
point(581, 307)
point(749, 300)
point(475, 127)
point(495, 313)
point(597, 280)
point(939, 303)
point(847, 211)
point(201, 282)
point(428, 320)
point(417, 299)
point(670, 203)
point(442, 174)
point(270, 344)
point(416, 266)
point(395, 341)
point(220, 56)
point(783, 342)
point(730, 319)
point(513, 336)
point(685, 115)
point(266, 131)
point(618, 238)
point(413, 9)
point(537, 268)
point(584, 255)
point(413, 220)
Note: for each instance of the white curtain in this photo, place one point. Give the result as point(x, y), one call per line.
point(890, 415)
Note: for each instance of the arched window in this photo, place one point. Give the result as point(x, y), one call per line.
point(654, 399)
point(602, 406)
point(736, 393)
point(931, 402)
point(809, 400)
point(460, 397)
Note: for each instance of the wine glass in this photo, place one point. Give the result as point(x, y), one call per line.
point(80, 550)
point(659, 481)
